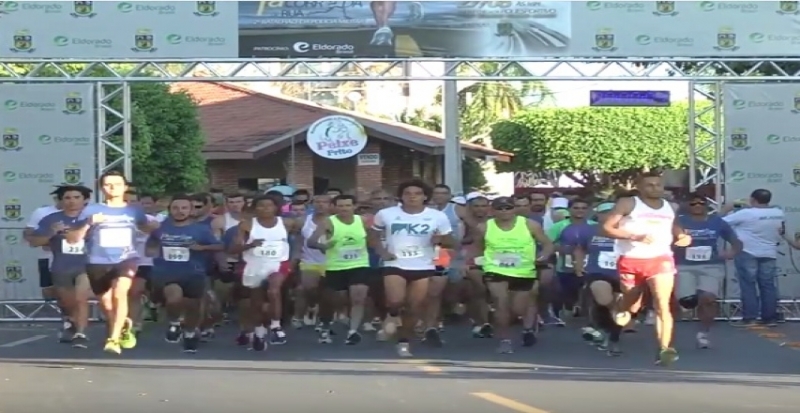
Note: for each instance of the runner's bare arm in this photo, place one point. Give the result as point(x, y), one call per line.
point(578, 258)
point(218, 226)
point(375, 233)
point(548, 248)
point(444, 233)
point(478, 241)
point(152, 245)
point(239, 244)
point(324, 229)
point(680, 235)
point(622, 208)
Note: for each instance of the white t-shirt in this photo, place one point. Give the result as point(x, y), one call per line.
point(409, 236)
point(36, 217)
point(758, 229)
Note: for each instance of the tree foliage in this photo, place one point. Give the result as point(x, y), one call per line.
point(166, 138)
point(596, 146)
point(471, 169)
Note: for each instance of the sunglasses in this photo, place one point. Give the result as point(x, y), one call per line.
point(503, 208)
point(696, 203)
point(199, 206)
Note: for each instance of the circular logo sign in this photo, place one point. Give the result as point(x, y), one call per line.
point(336, 137)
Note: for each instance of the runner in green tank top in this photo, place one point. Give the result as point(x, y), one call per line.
point(347, 272)
point(508, 243)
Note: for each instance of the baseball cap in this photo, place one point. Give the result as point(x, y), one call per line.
point(459, 200)
point(557, 203)
point(503, 201)
point(474, 195)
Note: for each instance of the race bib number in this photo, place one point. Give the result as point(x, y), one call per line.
point(350, 254)
point(175, 254)
point(269, 251)
point(406, 252)
point(698, 253)
point(607, 260)
point(116, 237)
point(507, 260)
point(72, 249)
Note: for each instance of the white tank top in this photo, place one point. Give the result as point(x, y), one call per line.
point(141, 241)
point(230, 222)
point(657, 223)
point(275, 245)
point(310, 255)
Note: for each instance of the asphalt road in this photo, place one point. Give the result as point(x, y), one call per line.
point(746, 371)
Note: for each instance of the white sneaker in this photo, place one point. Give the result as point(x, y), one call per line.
point(368, 327)
point(297, 323)
point(390, 325)
point(403, 350)
point(702, 341)
point(381, 335)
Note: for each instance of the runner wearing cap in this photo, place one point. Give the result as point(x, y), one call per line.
point(507, 243)
point(476, 213)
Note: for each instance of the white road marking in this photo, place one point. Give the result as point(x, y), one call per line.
point(24, 341)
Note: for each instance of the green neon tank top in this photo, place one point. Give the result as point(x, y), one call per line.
point(349, 250)
point(510, 253)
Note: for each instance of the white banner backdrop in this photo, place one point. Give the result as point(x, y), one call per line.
point(762, 140)
point(47, 139)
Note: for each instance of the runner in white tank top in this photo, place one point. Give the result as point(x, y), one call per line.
point(263, 242)
point(308, 255)
point(645, 228)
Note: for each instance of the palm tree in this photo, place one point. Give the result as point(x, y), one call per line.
point(482, 104)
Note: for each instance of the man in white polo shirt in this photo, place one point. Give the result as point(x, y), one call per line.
point(759, 228)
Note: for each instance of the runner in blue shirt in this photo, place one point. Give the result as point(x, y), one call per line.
point(68, 266)
point(596, 262)
point(109, 232)
point(180, 249)
point(701, 265)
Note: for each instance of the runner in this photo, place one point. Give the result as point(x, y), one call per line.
point(596, 262)
point(441, 201)
point(263, 242)
point(68, 268)
point(507, 243)
point(701, 266)
point(141, 284)
point(379, 200)
point(312, 266)
point(382, 11)
point(645, 228)
point(476, 213)
point(347, 266)
point(45, 256)
point(223, 276)
point(412, 231)
point(179, 249)
point(202, 213)
point(564, 233)
point(109, 230)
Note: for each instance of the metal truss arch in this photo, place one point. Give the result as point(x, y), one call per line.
point(303, 70)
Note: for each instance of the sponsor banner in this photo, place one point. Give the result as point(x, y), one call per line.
point(112, 29)
point(336, 137)
point(761, 144)
point(19, 275)
point(522, 29)
point(48, 139)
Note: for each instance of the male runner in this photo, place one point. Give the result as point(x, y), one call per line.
point(701, 266)
point(346, 266)
point(223, 276)
point(109, 230)
point(412, 232)
point(548, 290)
point(595, 261)
point(203, 213)
point(263, 242)
point(507, 244)
point(379, 199)
point(563, 233)
point(312, 265)
point(645, 228)
point(45, 256)
point(441, 200)
point(68, 267)
point(141, 283)
point(476, 213)
point(179, 249)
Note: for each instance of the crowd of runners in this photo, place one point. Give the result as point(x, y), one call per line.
point(397, 266)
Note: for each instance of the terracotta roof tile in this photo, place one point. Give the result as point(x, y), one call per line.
point(237, 119)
